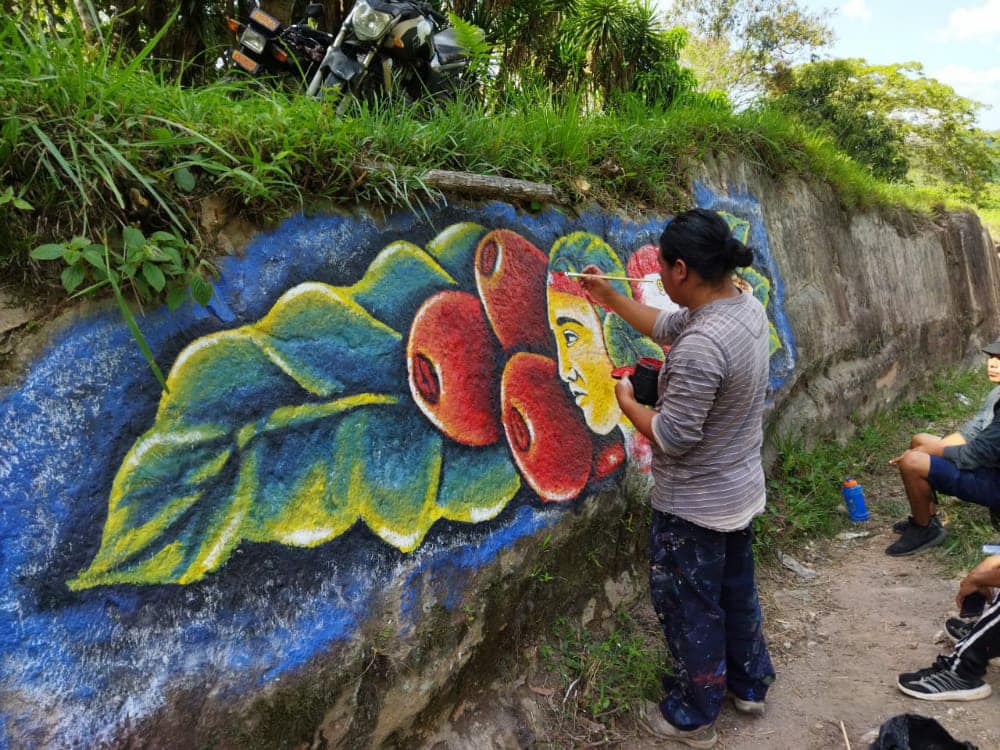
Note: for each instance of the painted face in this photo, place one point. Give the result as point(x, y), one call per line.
point(993, 368)
point(584, 364)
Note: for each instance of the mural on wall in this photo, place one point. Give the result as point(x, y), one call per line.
point(357, 394)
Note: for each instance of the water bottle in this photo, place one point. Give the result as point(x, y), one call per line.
point(854, 499)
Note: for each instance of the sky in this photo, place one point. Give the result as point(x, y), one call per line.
point(958, 41)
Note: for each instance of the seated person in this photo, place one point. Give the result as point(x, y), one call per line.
point(964, 464)
point(959, 676)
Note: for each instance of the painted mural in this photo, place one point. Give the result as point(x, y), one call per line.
point(431, 388)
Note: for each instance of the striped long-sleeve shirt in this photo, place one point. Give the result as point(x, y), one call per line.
point(709, 422)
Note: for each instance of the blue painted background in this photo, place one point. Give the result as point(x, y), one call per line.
point(76, 666)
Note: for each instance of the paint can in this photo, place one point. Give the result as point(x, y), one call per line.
point(645, 380)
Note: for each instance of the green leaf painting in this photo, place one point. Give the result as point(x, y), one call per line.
point(293, 428)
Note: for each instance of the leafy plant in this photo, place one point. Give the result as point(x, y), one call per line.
point(15, 200)
point(162, 265)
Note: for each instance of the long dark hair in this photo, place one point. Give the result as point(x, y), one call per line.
point(703, 240)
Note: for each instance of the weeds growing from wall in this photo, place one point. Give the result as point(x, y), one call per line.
point(604, 676)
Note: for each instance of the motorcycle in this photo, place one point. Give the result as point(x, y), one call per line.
point(411, 46)
point(266, 47)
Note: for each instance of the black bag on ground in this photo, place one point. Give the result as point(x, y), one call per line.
point(915, 732)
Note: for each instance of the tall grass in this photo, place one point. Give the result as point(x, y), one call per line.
point(95, 142)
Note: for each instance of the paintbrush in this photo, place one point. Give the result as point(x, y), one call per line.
point(610, 278)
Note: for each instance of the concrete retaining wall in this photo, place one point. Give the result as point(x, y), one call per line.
point(389, 450)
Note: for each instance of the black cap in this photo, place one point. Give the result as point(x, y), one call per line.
point(993, 349)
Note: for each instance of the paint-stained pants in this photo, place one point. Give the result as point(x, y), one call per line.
point(702, 584)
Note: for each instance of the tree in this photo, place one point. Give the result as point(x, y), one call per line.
point(891, 118)
point(832, 97)
point(739, 45)
point(600, 48)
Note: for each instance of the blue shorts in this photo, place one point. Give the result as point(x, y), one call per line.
point(979, 486)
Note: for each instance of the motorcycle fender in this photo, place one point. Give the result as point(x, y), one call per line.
point(447, 50)
point(345, 67)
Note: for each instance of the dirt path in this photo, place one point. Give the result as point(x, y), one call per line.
point(840, 639)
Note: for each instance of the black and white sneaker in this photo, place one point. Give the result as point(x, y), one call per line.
point(917, 539)
point(957, 628)
point(940, 683)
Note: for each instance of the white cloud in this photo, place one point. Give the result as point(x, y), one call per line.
point(981, 84)
point(978, 22)
point(857, 9)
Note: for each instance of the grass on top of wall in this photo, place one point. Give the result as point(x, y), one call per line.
point(90, 143)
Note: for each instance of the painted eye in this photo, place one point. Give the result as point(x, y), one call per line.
point(570, 337)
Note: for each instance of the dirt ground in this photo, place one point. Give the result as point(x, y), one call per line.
point(838, 641)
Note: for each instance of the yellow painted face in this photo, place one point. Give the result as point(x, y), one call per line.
point(584, 364)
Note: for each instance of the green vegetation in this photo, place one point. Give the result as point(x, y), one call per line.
point(739, 46)
point(102, 143)
point(892, 120)
point(606, 676)
point(123, 123)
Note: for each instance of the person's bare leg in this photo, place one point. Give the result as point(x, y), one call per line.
point(922, 439)
point(914, 466)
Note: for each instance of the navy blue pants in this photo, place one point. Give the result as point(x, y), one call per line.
point(702, 584)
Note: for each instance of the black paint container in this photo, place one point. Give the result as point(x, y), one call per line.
point(645, 379)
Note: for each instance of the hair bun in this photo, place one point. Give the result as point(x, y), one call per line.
point(740, 253)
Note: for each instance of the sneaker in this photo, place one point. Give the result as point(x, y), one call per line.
point(957, 628)
point(702, 737)
point(755, 708)
point(940, 683)
point(900, 526)
point(916, 539)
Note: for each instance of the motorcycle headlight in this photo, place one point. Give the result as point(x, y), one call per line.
point(369, 24)
point(253, 40)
